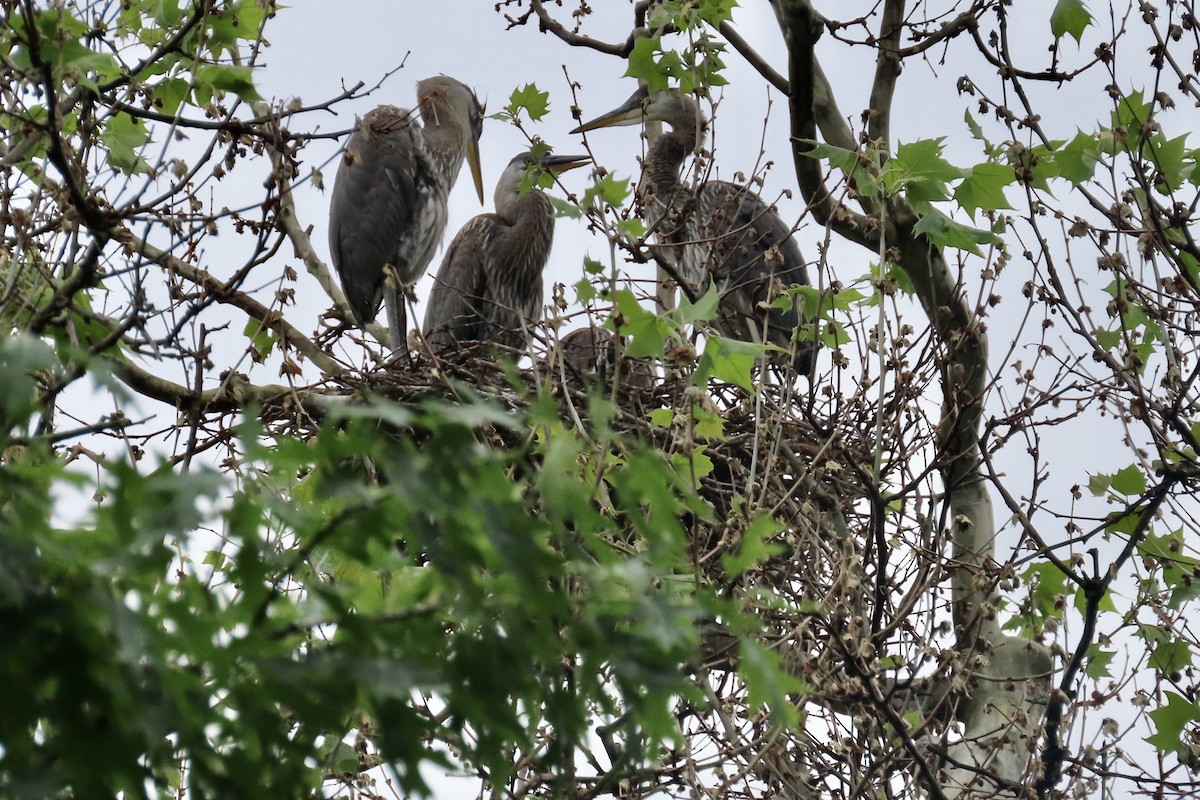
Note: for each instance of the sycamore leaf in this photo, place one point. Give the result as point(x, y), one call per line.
point(644, 66)
point(529, 99)
point(945, 232)
point(755, 547)
point(919, 170)
point(262, 339)
point(983, 187)
point(1069, 17)
point(728, 360)
point(768, 684)
point(609, 190)
point(704, 309)
point(217, 78)
point(1097, 662)
point(1129, 481)
point(124, 137)
point(647, 332)
point(1170, 721)
point(564, 209)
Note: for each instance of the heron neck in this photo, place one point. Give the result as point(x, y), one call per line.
point(668, 153)
point(445, 140)
point(531, 223)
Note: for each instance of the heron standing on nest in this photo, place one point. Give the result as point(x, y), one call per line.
point(717, 230)
point(591, 353)
point(489, 287)
point(387, 214)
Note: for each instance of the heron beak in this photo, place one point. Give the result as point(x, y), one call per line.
point(629, 113)
point(473, 164)
point(560, 164)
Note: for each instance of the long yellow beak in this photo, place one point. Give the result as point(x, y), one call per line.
point(560, 164)
point(473, 164)
point(628, 113)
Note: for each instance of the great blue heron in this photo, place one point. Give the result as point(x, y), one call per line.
point(489, 287)
point(717, 230)
point(387, 214)
point(592, 353)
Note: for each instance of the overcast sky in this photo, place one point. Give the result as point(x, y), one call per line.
point(318, 47)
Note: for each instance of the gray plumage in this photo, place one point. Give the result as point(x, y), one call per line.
point(388, 208)
point(591, 353)
point(717, 230)
point(489, 286)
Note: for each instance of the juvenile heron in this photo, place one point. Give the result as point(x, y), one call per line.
point(592, 353)
point(387, 214)
point(489, 287)
point(717, 230)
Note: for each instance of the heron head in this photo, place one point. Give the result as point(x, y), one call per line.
point(383, 120)
point(666, 106)
point(536, 167)
point(444, 95)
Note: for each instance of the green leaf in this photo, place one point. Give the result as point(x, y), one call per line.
point(1069, 17)
point(232, 24)
point(662, 417)
point(1129, 117)
point(632, 229)
point(714, 12)
point(609, 190)
point(563, 209)
point(1047, 583)
point(1097, 663)
point(694, 466)
point(585, 292)
point(768, 683)
point(755, 547)
point(644, 66)
point(218, 78)
point(728, 360)
point(708, 425)
point(945, 232)
point(703, 310)
point(21, 357)
point(976, 130)
point(124, 136)
point(1098, 484)
point(1168, 156)
point(166, 13)
point(648, 333)
point(1129, 481)
point(529, 99)
point(170, 94)
point(1169, 724)
point(262, 339)
point(862, 168)
point(919, 170)
point(983, 187)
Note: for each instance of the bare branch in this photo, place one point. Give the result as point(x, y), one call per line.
point(270, 318)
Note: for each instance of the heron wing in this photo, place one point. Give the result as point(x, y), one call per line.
point(454, 313)
point(375, 199)
point(750, 248)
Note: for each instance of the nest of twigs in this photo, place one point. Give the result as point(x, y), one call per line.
point(773, 456)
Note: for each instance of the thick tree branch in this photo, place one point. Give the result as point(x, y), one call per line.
point(769, 73)
point(272, 319)
point(887, 70)
point(801, 28)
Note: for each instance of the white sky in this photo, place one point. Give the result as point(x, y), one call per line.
point(318, 46)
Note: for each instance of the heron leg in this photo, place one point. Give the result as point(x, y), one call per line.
point(395, 307)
